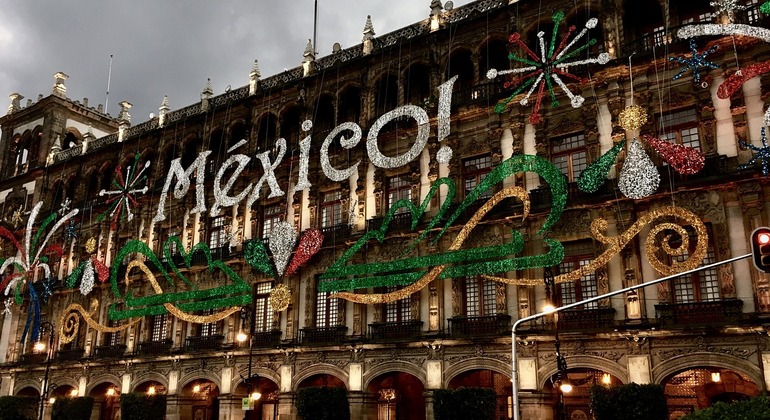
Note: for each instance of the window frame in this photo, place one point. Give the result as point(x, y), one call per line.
point(334, 205)
point(698, 281)
point(483, 300)
point(327, 310)
point(395, 189)
point(571, 153)
point(263, 311)
point(473, 174)
point(668, 131)
point(158, 327)
point(397, 311)
point(217, 232)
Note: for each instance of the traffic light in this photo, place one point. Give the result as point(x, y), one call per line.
point(760, 248)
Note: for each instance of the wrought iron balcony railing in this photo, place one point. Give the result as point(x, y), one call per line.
point(154, 347)
point(69, 355)
point(110, 351)
point(266, 339)
point(322, 335)
point(204, 342)
point(699, 313)
point(398, 330)
point(336, 234)
point(32, 358)
point(586, 319)
point(478, 326)
point(399, 223)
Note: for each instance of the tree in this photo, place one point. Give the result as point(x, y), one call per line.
point(754, 409)
point(629, 402)
point(323, 403)
point(464, 404)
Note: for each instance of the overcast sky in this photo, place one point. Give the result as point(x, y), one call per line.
point(170, 47)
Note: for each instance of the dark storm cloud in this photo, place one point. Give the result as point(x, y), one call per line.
point(172, 47)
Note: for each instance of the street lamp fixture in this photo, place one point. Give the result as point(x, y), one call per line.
point(566, 386)
point(151, 390)
point(256, 395)
point(74, 393)
point(46, 327)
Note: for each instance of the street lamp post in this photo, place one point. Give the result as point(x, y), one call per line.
point(248, 312)
point(514, 360)
point(45, 326)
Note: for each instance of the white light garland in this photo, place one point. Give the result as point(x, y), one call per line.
point(87, 281)
point(269, 175)
point(727, 29)
point(221, 198)
point(412, 111)
point(330, 171)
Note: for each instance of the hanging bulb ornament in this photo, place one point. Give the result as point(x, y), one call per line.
point(632, 118)
point(593, 177)
point(91, 245)
point(280, 298)
point(639, 176)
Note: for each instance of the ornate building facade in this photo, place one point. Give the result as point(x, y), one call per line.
point(702, 336)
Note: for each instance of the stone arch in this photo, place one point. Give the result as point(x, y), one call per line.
point(151, 376)
point(209, 376)
point(476, 363)
point(320, 369)
point(25, 383)
point(262, 372)
point(701, 359)
point(584, 361)
point(61, 380)
point(394, 366)
point(100, 379)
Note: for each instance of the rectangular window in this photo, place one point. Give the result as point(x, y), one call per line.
point(210, 328)
point(399, 188)
point(577, 255)
point(331, 209)
point(680, 127)
point(327, 310)
point(263, 312)
point(479, 296)
point(217, 234)
point(701, 286)
point(753, 14)
point(158, 327)
point(400, 310)
point(113, 338)
point(271, 215)
point(570, 155)
point(474, 171)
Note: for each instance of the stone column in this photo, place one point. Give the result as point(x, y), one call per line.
point(536, 405)
point(639, 369)
point(362, 406)
point(172, 407)
point(286, 408)
point(428, 404)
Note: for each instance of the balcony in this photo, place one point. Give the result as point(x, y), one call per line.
point(204, 342)
point(399, 330)
point(401, 222)
point(336, 234)
point(154, 347)
point(699, 313)
point(482, 93)
point(32, 358)
point(323, 335)
point(70, 355)
point(586, 319)
point(107, 352)
point(479, 326)
point(266, 339)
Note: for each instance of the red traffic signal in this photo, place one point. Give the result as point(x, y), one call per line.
point(760, 248)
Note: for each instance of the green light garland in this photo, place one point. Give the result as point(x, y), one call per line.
point(483, 260)
point(256, 256)
point(593, 177)
point(765, 7)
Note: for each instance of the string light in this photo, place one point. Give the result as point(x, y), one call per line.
point(593, 177)
point(685, 160)
point(695, 62)
point(761, 154)
point(282, 240)
point(616, 243)
point(309, 245)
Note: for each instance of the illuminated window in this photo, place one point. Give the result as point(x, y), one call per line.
point(570, 155)
point(576, 256)
point(399, 188)
point(331, 208)
point(327, 310)
point(210, 328)
point(263, 312)
point(400, 310)
point(158, 327)
point(271, 215)
point(701, 286)
point(474, 171)
point(217, 236)
point(479, 296)
point(680, 127)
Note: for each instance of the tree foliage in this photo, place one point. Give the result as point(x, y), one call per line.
point(629, 402)
point(323, 403)
point(72, 408)
point(18, 408)
point(464, 404)
point(752, 409)
point(142, 407)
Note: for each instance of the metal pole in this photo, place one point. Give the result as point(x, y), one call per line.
point(45, 326)
point(514, 362)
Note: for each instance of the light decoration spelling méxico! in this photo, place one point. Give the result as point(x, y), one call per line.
point(123, 196)
point(31, 263)
point(549, 66)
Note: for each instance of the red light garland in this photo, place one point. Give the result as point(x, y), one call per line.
point(685, 160)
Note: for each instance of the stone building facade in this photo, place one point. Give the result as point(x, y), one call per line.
point(702, 336)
